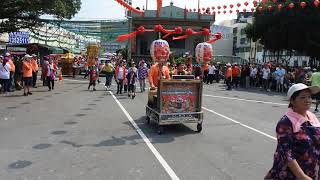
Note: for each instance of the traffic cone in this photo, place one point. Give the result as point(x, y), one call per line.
point(60, 77)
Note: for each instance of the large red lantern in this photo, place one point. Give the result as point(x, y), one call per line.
point(260, 8)
point(280, 7)
point(303, 4)
point(160, 50)
point(255, 3)
point(316, 3)
point(291, 6)
point(204, 52)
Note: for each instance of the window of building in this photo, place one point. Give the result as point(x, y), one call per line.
point(243, 41)
point(235, 30)
point(242, 32)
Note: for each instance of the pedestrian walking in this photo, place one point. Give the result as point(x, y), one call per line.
point(121, 72)
point(35, 69)
point(142, 75)
point(51, 69)
point(132, 79)
point(93, 76)
point(27, 75)
point(298, 134)
point(228, 76)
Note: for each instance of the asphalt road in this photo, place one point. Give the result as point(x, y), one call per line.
point(72, 133)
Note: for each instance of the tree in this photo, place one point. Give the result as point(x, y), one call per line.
point(20, 14)
point(287, 29)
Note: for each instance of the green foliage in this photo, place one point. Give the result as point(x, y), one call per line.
point(19, 14)
point(287, 29)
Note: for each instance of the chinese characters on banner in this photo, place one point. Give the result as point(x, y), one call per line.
point(19, 38)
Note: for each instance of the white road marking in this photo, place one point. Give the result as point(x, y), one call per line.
point(156, 153)
point(248, 100)
point(241, 124)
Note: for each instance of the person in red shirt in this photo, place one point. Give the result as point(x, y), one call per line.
point(27, 74)
point(35, 68)
point(93, 75)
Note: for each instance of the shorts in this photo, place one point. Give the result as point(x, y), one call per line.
point(132, 88)
point(316, 96)
point(280, 81)
point(27, 81)
point(93, 82)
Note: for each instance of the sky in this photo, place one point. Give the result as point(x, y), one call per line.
point(110, 9)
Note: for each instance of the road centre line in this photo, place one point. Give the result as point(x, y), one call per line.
point(241, 124)
point(248, 100)
point(155, 152)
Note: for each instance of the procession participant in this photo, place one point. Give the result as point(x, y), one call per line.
point(120, 76)
point(27, 75)
point(50, 71)
point(109, 71)
point(180, 70)
point(228, 76)
point(35, 69)
point(93, 75)
point(4, 74)
point(142, 75)
point(189, 66)
point(132, 78)
point(154, 74)
point(12, 72)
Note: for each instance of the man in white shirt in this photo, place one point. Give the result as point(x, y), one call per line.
point(211, 69)
point(265, 77)
point(253, 75)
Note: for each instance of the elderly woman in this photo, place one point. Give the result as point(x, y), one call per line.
point(298, 134)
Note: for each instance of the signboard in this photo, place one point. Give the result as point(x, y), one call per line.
point(180, 96)
point(19, 38)
point(244, 17)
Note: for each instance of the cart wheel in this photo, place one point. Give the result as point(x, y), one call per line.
point(199, 127)
point(160, 130)
point(148, 120)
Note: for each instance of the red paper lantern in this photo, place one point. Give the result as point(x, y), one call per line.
point(218, 12)
point(194, 10)
point(224, 7)
point(237, 11)
point(280, 7)
point(244, 10)
point(246, 3)
point(264, 1)
point(274, 1)
point(204, 52)
point(252, 9)
point(213, 8)
point(203, 9)
point(303, 5)
point(224, 12)
point(255, 3)
point(160, 50)
point(316, 3)
point(230, 11)
point(219, 7)
point(291, 6)
point(238, 4)
point(190, 10)
point(260, 8)
point(231, 6)
point(269, 8)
